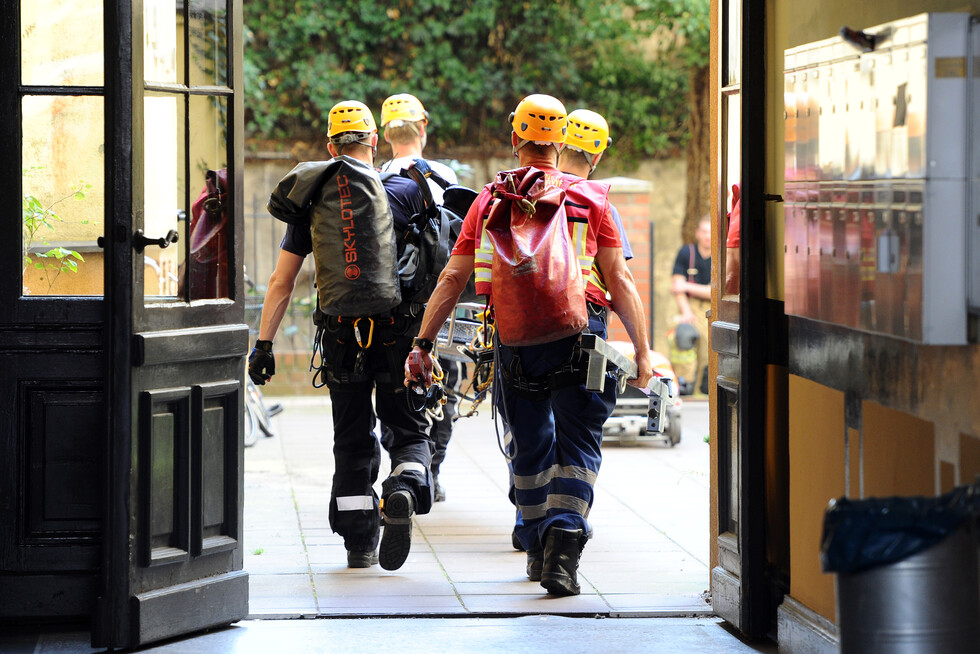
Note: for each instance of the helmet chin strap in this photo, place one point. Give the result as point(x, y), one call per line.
point(588, 158)
point(524, 142)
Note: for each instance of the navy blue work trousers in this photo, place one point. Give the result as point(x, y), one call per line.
point(556, 442)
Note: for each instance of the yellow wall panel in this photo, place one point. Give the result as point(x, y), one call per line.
point(816, 465)
point(969, 458)
point(899, 453)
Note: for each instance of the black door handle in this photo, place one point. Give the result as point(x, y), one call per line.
point(140, 241)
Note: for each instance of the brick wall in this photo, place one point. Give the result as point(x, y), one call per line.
point(654, 236)
point(631, 197)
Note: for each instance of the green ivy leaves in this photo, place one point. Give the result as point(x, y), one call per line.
point(470, 63)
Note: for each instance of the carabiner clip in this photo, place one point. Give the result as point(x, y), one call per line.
point(357, 333)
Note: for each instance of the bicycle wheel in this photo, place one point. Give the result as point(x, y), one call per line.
point(251, 423)
point(263, 414)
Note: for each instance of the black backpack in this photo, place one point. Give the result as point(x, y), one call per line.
point(344, 204)
point(429, 238)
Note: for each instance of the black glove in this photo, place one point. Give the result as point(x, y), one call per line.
point(261, 362)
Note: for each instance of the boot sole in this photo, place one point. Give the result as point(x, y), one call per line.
point(396, 542)
point(559, 584)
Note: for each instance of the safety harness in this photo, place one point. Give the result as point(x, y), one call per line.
point(570, 373)
point(364, 332)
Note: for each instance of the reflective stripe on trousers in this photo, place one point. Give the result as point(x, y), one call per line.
point(357, 454)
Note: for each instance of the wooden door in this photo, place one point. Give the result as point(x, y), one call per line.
point(741, 331)
point(173, 525)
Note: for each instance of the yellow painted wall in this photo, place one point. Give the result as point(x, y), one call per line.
point(899, 453)
point(812, 21)
point(816, 475)
point(969, 458)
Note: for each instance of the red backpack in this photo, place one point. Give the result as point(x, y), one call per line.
point(538, 291)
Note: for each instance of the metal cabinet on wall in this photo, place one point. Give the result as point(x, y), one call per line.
point(878, 172)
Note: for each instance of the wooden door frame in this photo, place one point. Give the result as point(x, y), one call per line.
point(119, 308)
point(756, 610)
point(741, 588)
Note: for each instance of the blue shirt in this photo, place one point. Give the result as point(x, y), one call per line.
point(627, 250)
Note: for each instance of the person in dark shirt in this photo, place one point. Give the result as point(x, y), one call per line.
point(691, 287)
point(337, 212)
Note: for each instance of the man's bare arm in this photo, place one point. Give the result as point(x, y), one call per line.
point(279, 293)
point(452, 281)
point(628, 306)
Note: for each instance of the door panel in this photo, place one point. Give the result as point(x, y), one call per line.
point(217, 521)
point(163, 461)
point(194, 605)
point(53, 422)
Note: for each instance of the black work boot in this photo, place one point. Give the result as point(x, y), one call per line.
point(396, 541)
point(562, 549)
point(438, 494)
point(535, 562)
point(361, 559)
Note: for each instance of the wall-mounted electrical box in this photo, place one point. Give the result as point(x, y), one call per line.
point(881, 172)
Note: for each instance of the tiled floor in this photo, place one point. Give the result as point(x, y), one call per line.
point(649, 556)
point(463, 588)
point(546, 634)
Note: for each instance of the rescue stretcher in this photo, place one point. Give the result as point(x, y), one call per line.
point(651, 414)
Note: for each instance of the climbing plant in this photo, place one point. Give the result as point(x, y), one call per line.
point(470, 63)
point(39, 221)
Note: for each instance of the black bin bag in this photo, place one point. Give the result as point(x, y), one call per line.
point(863, 534)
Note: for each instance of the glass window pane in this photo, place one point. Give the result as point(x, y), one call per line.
point(731, 175)
point(164, 193)
point(210, 230)
point(160, 46)
point(61, 43)
point(208, 35)
point(733, 42)
point(63, 195)
point(733, 138)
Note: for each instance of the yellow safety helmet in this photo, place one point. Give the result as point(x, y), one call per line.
point(540, 118)
point(587, 131)
point(350, 116)
point(404, 107)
